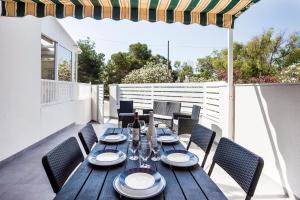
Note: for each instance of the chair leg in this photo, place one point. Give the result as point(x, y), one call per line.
point(189, 144)
point(248, 197)
point(211, 168)
point(204, 160)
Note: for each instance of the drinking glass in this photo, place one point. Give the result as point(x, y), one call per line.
point(129, 131)
point(144, 153)
point(156, 146)
point(142, 125)
point(133, 146)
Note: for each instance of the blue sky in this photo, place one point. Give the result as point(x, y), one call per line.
point(187, 42)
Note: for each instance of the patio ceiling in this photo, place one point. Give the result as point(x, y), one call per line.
point(217, 12)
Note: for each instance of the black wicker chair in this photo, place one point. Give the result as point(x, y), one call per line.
point(88, 137)
point(125, 107)
point(203, 138)
point(183, 123)
point(241, 164)
point(60, 162)
point(163, 111)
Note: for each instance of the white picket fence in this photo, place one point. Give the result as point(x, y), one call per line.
point(207, 95)
point(53, 91)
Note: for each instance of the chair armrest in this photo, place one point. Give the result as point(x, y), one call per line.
point(182, 115)
point(185, 125)
point(147, 110)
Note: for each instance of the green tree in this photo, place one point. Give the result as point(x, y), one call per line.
point(150, 73)
point(64, 71)
point(205, 69)
point(139, 54)
point(159, 59)
point(183, 70)
point(259, 60)
point(122, 63)
point(90, 63)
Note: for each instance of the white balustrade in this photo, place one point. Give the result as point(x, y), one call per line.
point(53, 91)
point(207, 95)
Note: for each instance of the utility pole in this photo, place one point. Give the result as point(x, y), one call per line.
point(168, 53)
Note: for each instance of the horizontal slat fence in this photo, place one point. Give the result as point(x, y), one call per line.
point(53, 91)
point(207, 95)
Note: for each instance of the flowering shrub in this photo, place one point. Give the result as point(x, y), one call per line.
point(290, 74)
point(150, 73)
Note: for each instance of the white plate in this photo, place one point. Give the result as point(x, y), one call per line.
point(139, 181)
point(106, 157)
point(179, 158)
point(113, 138)
point(139, 194)
point(168, 138)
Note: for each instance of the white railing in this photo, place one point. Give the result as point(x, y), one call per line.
point(207, 95)
point(53, 92)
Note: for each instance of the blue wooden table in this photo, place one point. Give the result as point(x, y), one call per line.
point(96, 183)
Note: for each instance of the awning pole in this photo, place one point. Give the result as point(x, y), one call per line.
point(230, 86)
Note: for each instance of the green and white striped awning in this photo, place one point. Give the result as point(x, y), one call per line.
point(218, 12)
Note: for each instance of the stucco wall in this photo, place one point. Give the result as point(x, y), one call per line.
point(66, 113)
point(267, 122)
point(23, 121)
point(20, 72)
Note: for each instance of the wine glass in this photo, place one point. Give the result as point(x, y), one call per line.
point(156, 146)
point(129, 131)
point(133, 146)
point(144, 153)
point(142, 125)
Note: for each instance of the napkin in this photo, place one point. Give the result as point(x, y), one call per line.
point(139, 181)
point(107, 157)
point(178, 157)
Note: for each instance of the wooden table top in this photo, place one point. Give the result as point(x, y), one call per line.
point(92, 182)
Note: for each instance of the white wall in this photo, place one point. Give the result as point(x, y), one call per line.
point(267, 122)
point(20, 72)
point(23, 121)
point(65, 114)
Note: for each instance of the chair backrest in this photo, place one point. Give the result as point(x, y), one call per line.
point(126, 107)
point(172, 107)
point(61, 161)
point(241, 164)
point(204, 138)
point(87, 137)
point(196, 112)
point(159, 107)
point(166, 108)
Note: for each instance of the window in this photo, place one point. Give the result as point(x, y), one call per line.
point(64, 64)
point(47, 58)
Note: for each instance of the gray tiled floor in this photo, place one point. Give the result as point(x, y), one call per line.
point(24, 177)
